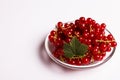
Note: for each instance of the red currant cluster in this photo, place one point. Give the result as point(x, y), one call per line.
point(87, 32)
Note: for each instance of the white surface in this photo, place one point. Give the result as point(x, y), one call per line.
point(24, 25)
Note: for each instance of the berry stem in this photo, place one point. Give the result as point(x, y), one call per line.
point(105, 41)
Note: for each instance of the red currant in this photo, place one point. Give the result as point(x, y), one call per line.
point(103, 47)
point(82, 19)
point(66, 25)
point(59, 24)
point(51, 38)
point(113, 44)
point(78, 62)
point(85, 60)
point(98, 57)
point(95, 50)
point(89, 20)
point(110, 37)
point(71, 61)
point(102, 27)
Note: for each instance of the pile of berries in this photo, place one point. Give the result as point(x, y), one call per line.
point(88, 32)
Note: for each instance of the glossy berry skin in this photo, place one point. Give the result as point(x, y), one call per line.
point(59, 24)
point(85, 60)
point(103, 26)
point(66, 25)
point(110, 37)
point(89, 20)
point(78, 62)
point(113, 44)
point(82, 19)
point(71, 61)
point(103, 47)
point(98, 57)
point(95, 50)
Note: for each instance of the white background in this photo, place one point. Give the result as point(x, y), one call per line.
point(24, 25)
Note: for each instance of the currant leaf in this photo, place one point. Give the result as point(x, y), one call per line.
point(74, 48)
point(68, 50)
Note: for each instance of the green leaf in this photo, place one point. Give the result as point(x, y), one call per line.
point(75, 44)
point(74, 48)
point(82, 49)
point(68, 55)
point(68, 50)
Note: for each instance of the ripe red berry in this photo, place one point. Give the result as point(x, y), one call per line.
point(108, 49)
point(82, 26)
point(95, 50)
point(67, 40)
point(93, 22)
point(96, 26)
point(66, 25)
point(53, 32)
point(51, 38)
point(71, 61)
point(77, 23)
point(113, 44)
point(103, 26)
point(59, 24)
point(82, 19)
point(85, 60)
point(85, 34)
point(78, 62)
point(89, 20)
point(103, 47)
point(59, 51)
point(110, 37)
point(98, 57)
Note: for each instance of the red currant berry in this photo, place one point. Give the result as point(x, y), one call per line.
point(113, 44)
point(82, 26)
point(82, 19)
point(85, 34)
point(110, 37)
point(85, 30)
point(59, 51)
point(55, 54)
point(105, 38)
point(78, 62)
point(103, 54)
point(59, 24)
point(89, 41)
point(68, 40)
point(89, 55)
point(66, 25)
point(91, 35)
point(103, 25)
point(95, 42)
point(81, 39)
point(71, 61)
point(51, 38)
point(99, 36)
point(89, 20)
point(53, 32)
point(103, 47)
point(77, 23)
point(98, 57)
point(95, 50)
point(96, 26)
point(85, 60)
point(93, 22)
point(90, 47)
point(108, 49)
